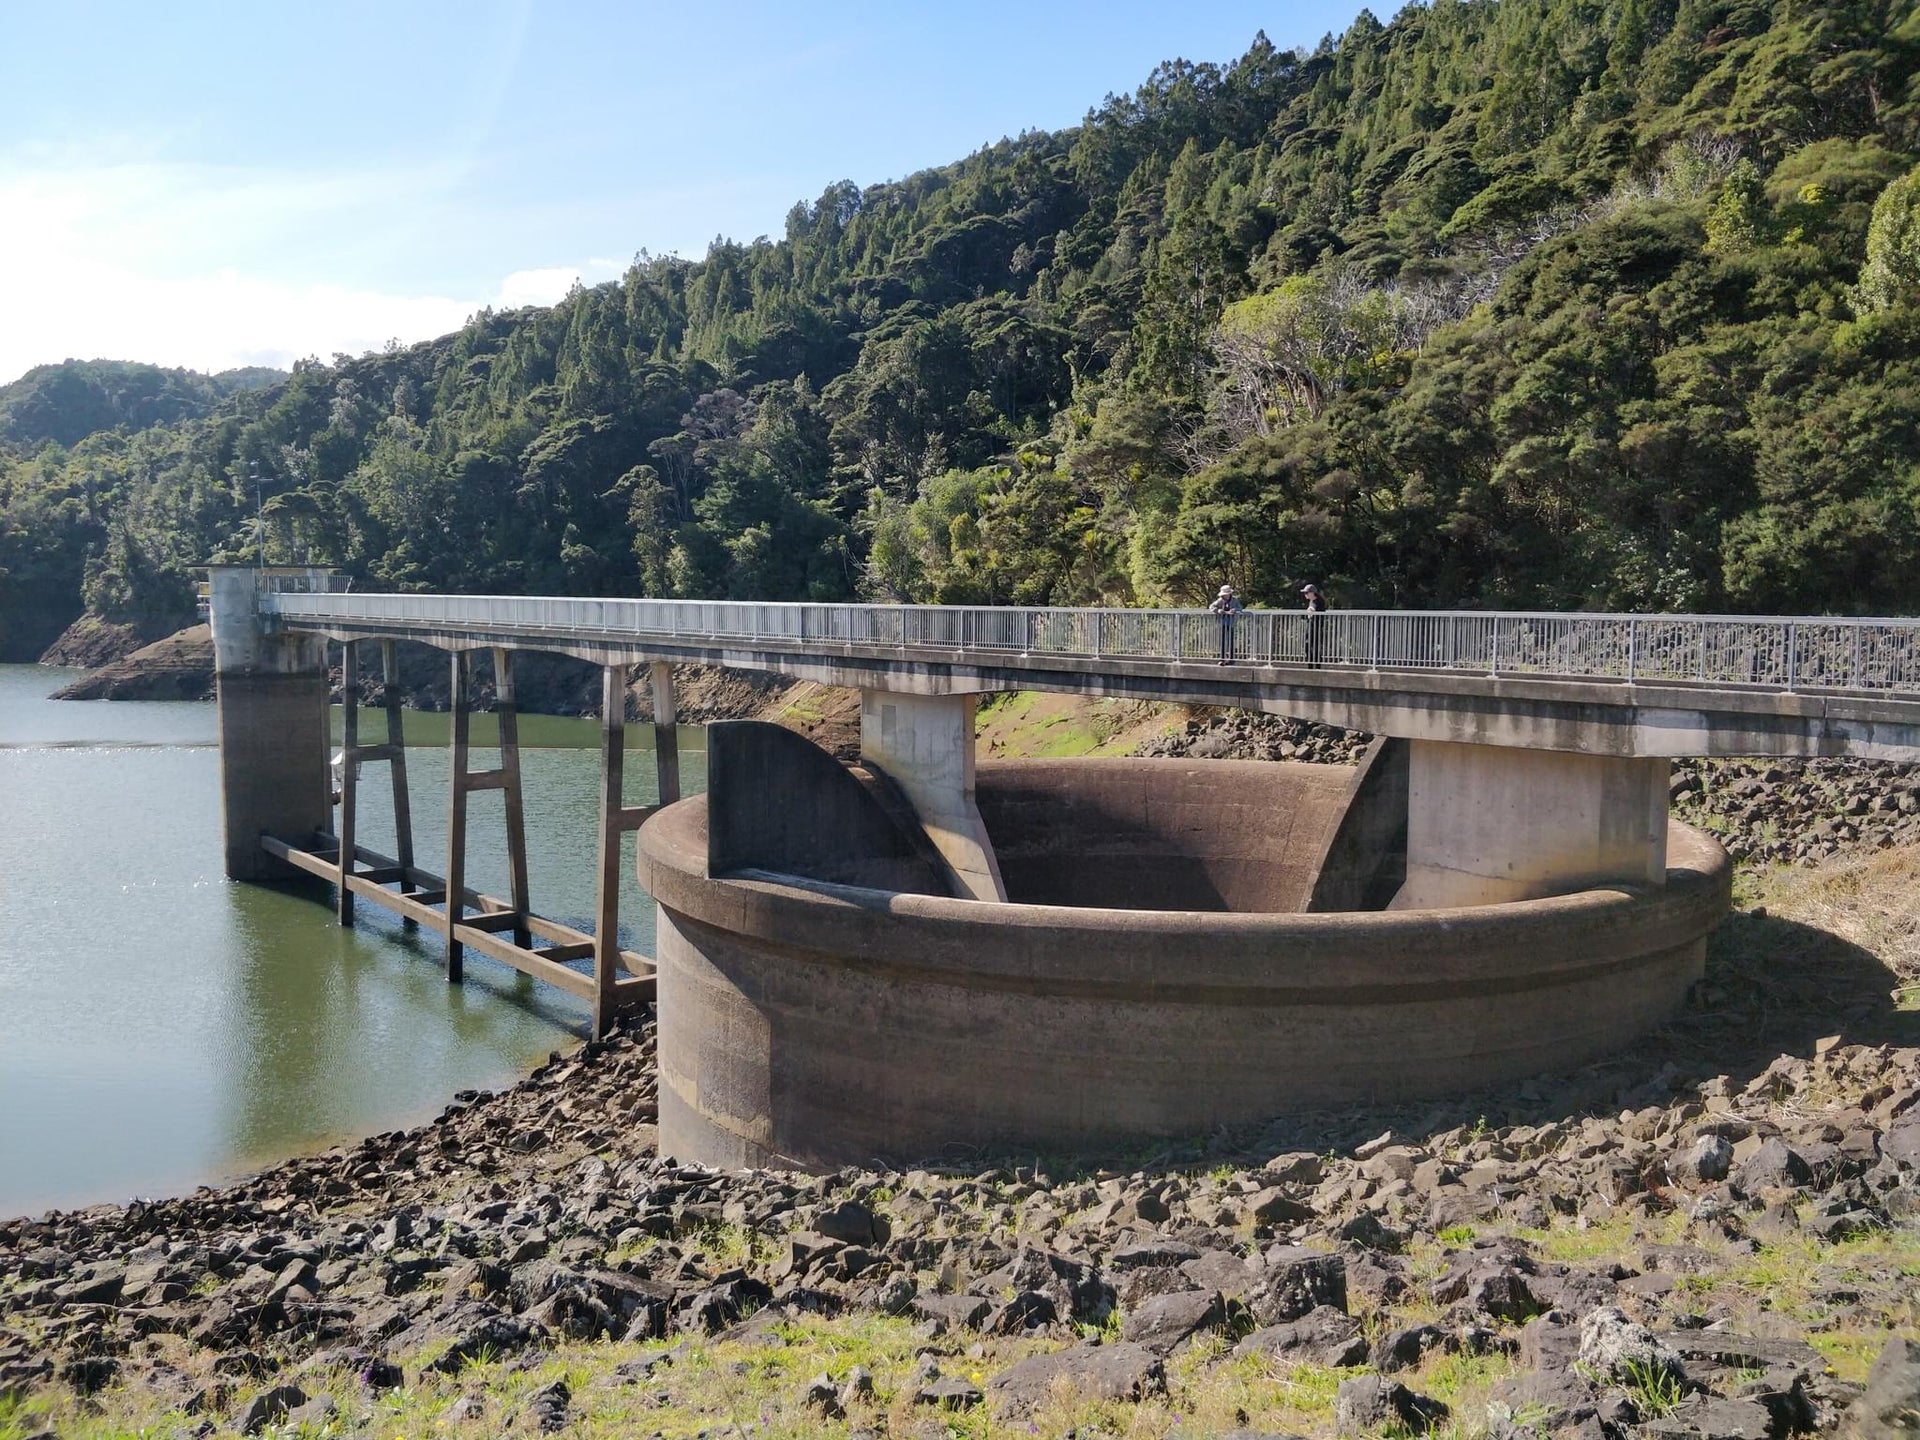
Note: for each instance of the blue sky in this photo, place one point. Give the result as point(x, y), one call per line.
point(217, 184)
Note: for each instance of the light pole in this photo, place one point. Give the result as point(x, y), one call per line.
point(259, 514)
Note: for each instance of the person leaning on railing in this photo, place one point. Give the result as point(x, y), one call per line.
point(1226, 605)
point(1316, 604)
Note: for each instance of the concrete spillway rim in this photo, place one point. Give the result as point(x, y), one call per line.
point(1370, 957)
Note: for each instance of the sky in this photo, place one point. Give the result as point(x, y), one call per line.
point(219, 184)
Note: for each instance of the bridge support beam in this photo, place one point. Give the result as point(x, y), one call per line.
point(1487, 824)
point(924, 743)
point(271, 695)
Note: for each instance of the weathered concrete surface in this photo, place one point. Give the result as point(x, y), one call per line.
point(810, 1024)
point(779, 803)
point(1204, 835)
point(1488, 824)
point(1366, 860)
point(271, 694)
point(924, 744)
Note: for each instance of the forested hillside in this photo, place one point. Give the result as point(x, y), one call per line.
point(1536, 302)
point(67, 402)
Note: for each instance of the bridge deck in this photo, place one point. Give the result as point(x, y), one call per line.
point(1652, 685)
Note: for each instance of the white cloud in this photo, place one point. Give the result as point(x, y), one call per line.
point(212, 268)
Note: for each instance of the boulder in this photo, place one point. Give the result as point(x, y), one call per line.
point(1167, 1322)
point(1889, 1408)
point(1122, 1372)
point(1294, 1281)
point(1613, 1346)
point(1369, 1404)
point(1324, 1336)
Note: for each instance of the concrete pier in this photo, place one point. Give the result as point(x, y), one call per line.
point(1490, 824)
point(271, 692)
point(924, 744)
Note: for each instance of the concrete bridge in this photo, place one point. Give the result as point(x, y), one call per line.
point(1526, 755)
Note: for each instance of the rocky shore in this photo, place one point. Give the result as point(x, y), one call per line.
point(1714, 1235)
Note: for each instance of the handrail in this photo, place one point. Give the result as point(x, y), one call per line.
point(1879, 655)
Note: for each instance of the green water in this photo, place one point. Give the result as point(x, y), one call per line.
point(161, 1027)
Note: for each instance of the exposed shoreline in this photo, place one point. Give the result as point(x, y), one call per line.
point(536, 1229)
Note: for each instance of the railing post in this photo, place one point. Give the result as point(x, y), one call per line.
point(1793, 655)
point(1856, 657)
point(1493, 667)
point(1633, 649)
point(1099, 632)
point(1373, 642)
point(1179, 636)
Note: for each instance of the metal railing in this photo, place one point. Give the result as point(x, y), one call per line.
point(1879, 655)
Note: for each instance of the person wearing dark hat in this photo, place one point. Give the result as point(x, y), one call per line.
point(1226, 605)
point(1316, 604)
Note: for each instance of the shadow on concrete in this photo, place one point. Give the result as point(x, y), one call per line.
point(1772, 987)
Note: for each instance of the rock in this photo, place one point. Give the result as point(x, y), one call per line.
point(1901, 1143)
point(1368, 1404)
point(1233, 1277)
point(477, 1329)
point(1296, 1167)
point(1122, 1372)
point(86, 1374)
point(1889, 1408)
point(1368, 1232)
point(1613, 1346)
point(1565, 1397)
point(1027, 1310)
point(949, 1392)
point(1454, 1206)
point(953, 1312)
point(1844, 1226)
point(1405, 1348)
point(548, 1406)
point(1324, 1336)
point(1166, 1322)
point(1775, 1165)
point(1273, 1206)
point(313, 1415)
point(271, 1407)
point(851, 1223)
point(1709, 1160)
point(1293, 1281)
point(1712, 1418)
point(1138, 1252)
point(823, 1395)
point(858, 1389)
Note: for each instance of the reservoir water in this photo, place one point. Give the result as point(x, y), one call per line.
point(162, 1027)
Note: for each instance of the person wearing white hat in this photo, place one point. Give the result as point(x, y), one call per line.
point(1226, 605)
point(1316, 604)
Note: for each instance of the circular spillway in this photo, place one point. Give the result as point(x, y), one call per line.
point(809, 1024)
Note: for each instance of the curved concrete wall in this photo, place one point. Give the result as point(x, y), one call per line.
point(809, 1025)
point(1242, 835)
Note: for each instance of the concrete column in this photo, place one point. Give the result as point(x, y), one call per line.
point(925, 745)
point(1488, 824)
point(272, 698)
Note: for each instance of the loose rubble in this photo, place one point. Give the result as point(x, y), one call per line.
point(540, 1218)
point(1245, 735)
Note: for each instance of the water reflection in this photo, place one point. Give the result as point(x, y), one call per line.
point(160, 1026)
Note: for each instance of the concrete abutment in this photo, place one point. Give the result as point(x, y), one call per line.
point(271, 696)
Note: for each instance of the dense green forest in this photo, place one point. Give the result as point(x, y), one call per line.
point(67, 402)
point(1507, 302)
